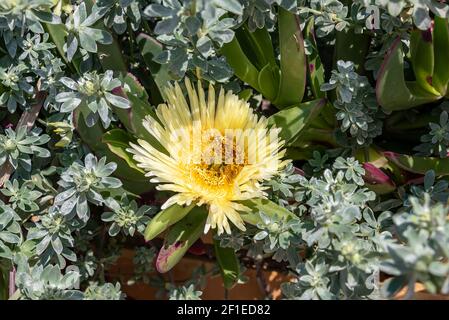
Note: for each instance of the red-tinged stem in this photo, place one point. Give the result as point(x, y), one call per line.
point(12, 282)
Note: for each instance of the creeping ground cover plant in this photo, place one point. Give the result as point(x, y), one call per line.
point(299, 147)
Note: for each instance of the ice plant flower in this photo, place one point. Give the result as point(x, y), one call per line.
point(197, 135)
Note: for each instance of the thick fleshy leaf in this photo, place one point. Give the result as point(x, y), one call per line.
point(132, 117)
point(315, 66)
point(180, 238)
point(165, 219)
point(267, 81)
point(351, 46)
point(258, 48)
point(150, 48)
point(440, 78)
point(295, 118)
point(118, 141)
point(257, 45)
point(228, 263)
point(268, 207)
point(393, 92)
point(243, 68)
point(376, 180)
point(293, 60)
point(419, 165)
point(422, 57)
point(58, 34)
point(111, 57)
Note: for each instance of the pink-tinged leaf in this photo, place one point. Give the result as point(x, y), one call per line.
point(392, 91)
point(299, 171)
point(419, 165)
point(419, 180)
point(316, 68)
point(180, 238)
point(118, 91)
point(377, 180)
point(422, 57)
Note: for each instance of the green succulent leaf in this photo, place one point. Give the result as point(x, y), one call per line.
point(257, 45)
point(315, 66)
point(180, 238)
point(58, 33)
point(228, 264)
point(150, 49)
point(118, 141)
point(351, 46)
point(422, 58)
point(268, 82)
point(269, 208)
point(440, 78)
point(393, 92)
point(240, 63)
point(294, 119)
point(419, 165)
point(165, 219)
point(292, 60)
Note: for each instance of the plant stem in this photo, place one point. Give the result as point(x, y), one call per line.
point(264, 287)
point(12, 282)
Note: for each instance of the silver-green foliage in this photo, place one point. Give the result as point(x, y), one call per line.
point(85, 183)
point(94, 92)
point(45, 220)
point(358, 112)
point(422, 252)
point(436, 142)
point(420, 9)
point(10, 231)
point(82, 34)
point(18, 146)
point(126, 216)
point(185, 293)
point(191, 31)
point(46, 283)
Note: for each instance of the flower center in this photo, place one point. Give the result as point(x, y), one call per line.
point(12, 77)
point(10, 145)
point(220, 162)
point(89, 88)
point(215, 175)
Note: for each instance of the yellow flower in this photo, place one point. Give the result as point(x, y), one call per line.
point(218, 153)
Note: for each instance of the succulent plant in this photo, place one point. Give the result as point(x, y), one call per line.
point(352, 95)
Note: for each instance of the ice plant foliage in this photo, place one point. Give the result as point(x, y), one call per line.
point(331, 165)
point(218, 152)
